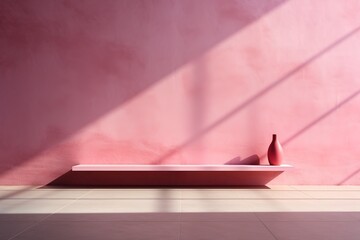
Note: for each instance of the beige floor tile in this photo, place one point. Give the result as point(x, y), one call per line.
point(31, 206)
point(43, 194)
point(210, 194)
point(272, 194)
point(315, 230)
point(103, 230)
point(348, 205)
point(334, 205)
point(326, 194)
point(124, 217)
point(11, 193)
point(281, 187)
point(326, 187)
point(122, 206)
point(311, 205)
point(281, 205)
point(224, 231)
point(290, 212)
point(215, 205)
point(133, 193)
point(4, 194)
point(17, 188)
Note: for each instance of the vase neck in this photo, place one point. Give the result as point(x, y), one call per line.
point(274, 137)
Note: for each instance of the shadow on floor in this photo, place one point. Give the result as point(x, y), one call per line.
point(205, 225)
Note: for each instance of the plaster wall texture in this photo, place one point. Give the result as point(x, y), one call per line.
point(179, 82)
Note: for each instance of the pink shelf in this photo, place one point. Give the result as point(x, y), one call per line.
point(120, 167)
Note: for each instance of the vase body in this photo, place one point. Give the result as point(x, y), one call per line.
point(275, 152)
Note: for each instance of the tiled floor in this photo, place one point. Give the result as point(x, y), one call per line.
point(280, 212)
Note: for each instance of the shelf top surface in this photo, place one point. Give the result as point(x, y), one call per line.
point(123, 167)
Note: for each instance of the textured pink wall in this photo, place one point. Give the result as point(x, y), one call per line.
point(186, 82)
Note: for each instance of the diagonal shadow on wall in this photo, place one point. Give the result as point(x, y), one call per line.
point(263, 92)
point(350, 176)
point(321, 117)
point(64, 64)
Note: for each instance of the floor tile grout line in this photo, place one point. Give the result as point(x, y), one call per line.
point(24, 230)
point(307, 194)
point(265, 226)
point(88, 192)
point(66, 205)
point(44, 218)
point(292, 187)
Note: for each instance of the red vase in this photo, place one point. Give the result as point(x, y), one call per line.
point(275, 152)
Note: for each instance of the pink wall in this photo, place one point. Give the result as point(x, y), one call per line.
point(185, 82)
